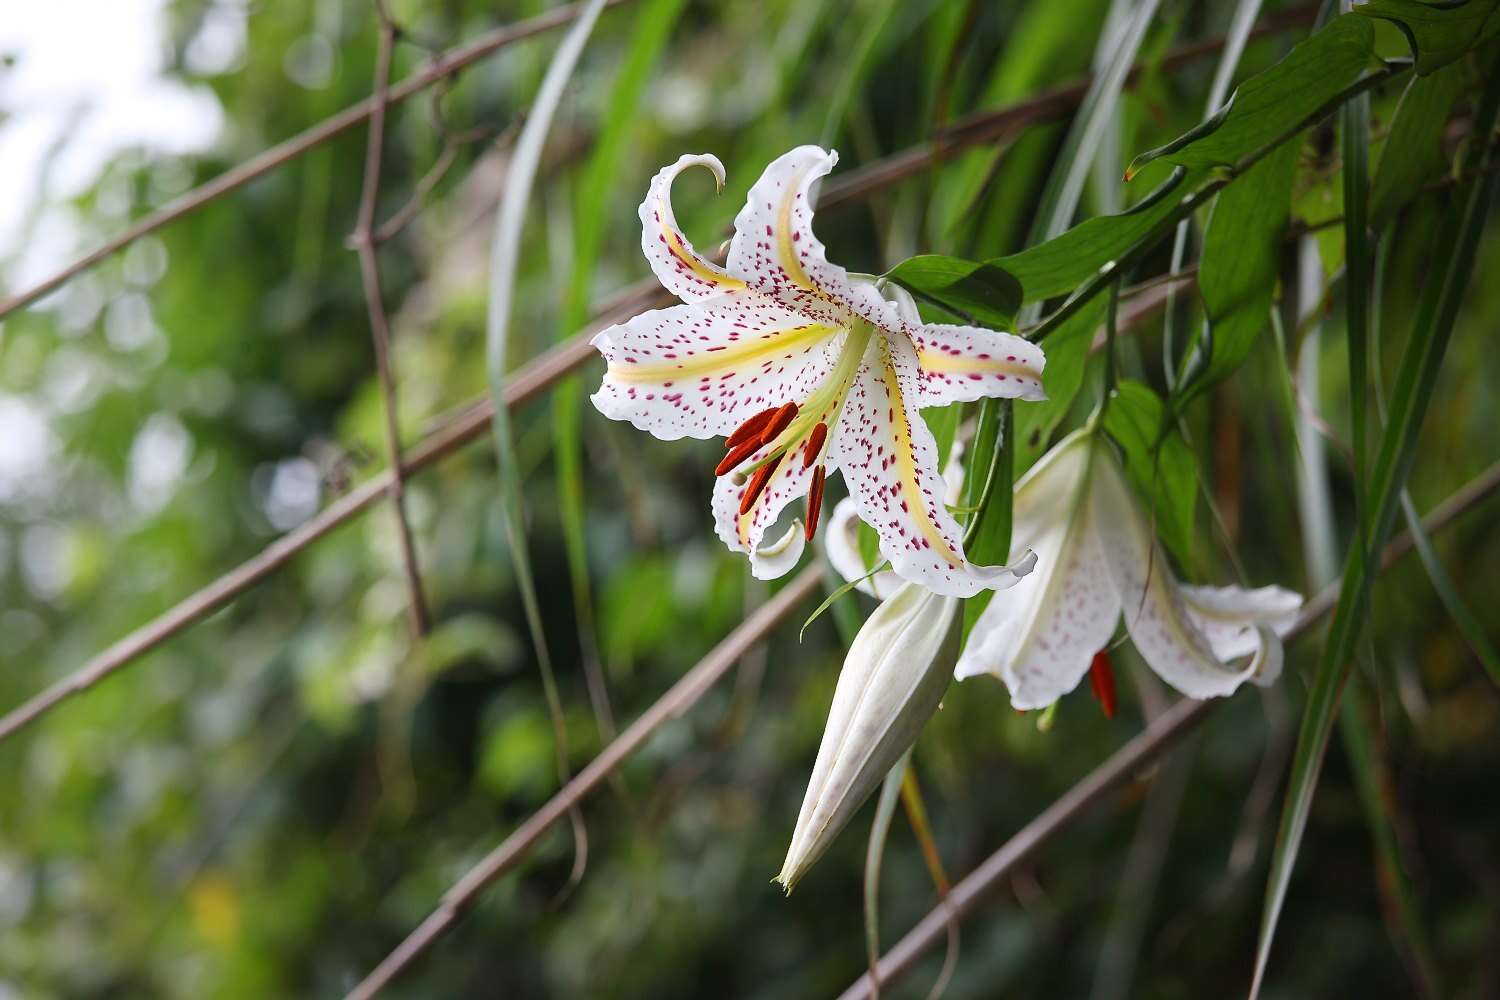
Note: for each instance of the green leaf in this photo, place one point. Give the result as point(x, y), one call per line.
point(1469, 625)
point(505, 258)
point(1068, 352)
point(1377, 795)
point(880, 828)
point(983, 292)
point(1354, 137)
point(1063, 263)
point(1313, 79)
point(1452, 259)
point(1158, 462)
point(1237, 276)
point(1412, 151)
point(1438, 32)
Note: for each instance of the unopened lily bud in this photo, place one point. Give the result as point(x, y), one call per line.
point(893, 679)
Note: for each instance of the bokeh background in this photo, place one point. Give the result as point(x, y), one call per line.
point(267, 803)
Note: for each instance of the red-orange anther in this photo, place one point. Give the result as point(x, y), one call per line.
point(737, 455)
point(757, 484)
point(814, 502)
point(814, 444)
point(778, 422)
point(750, 429)
point(1102, 681)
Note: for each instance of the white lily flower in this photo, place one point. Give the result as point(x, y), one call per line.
point(891, 684)
point(805, 370)
point(1097, 559)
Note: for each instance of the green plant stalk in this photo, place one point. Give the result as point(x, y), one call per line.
point(880, 828)
point(1191, 202)
point(510, 219)
point(1372, 778)
point(1452, 265)
point(1354, 121)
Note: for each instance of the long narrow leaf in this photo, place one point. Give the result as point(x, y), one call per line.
point(1453, 260)
point(505, 257)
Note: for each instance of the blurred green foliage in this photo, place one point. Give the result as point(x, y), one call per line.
point(267, 803)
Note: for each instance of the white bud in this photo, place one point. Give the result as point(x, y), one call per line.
point(893, 679)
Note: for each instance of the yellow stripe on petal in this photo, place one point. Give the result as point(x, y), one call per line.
point(906, 465)
point(786, 249)
point(964, 364)
point(700, 268)
point(726, 358)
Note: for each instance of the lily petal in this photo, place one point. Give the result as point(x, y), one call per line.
point(1155, 613)
point(781, 556)
point(1230, 616)
point(682, 269)
point(962, 363)
point(842, 543)
point(700, 370)
point(775, 250)
point(745, 532)
point(890, 464)
point(1040, 638)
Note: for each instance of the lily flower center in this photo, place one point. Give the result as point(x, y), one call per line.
point(775, 432)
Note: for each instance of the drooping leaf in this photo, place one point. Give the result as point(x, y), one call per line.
point(1237, 276)
point(1412, 155)
point(1061, 264)
point(984, 292)
point(1067, 359)
point(505, 257)
point(1453, 255)
point(1158, 462)
point(1315, 77)
point(1439, 32)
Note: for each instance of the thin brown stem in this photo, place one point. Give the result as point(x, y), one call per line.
point(974, 130)
point(1145, 747)
point(678, 699)
point(439, 68)
point(380, 334)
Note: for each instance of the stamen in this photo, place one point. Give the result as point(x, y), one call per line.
point(814, 502)
point(779, 422)
point(737, 455)
point(814, 444)
point(1102, 681)
point(757, 484)
point(750, 429)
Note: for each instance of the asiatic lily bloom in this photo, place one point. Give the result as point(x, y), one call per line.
point(806, 370)
point(892, 681)
point(1097, 559)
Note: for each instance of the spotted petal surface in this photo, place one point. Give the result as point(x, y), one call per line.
point(1155, 613)
point(775, 251)
point(890, 464)
point(699, 370)
point(682, 269)
point(746, 532)
point(961, 363)
point(1040, 637)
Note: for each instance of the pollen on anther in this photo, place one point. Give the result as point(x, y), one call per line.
point(815, 444)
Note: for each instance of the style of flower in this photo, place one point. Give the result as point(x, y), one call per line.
point(805, 370)
point(1096, 559)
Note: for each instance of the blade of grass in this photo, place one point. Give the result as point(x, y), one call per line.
point(1468, 624)
point(1234, 46)
point(1354, 134)
point(1402, 918)
point(505, 256)
point(885, 808)
point(1377, 797)
point(653, 26)
point(1452, 264)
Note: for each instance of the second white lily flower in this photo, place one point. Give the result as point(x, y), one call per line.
point(1098, 559)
